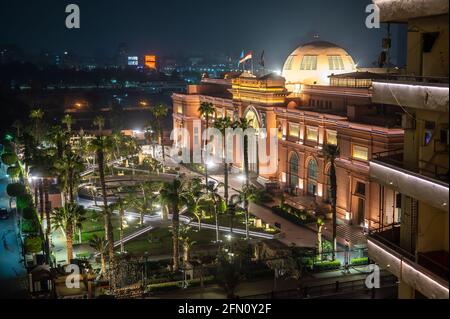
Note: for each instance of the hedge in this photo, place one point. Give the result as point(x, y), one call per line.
point(296, 216)
point(9, 158)
point(15, 190)
point(33, 244)
point(360, 261)
point(24, 202)
point(327, 265)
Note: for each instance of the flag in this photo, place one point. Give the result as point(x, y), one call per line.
point(262, 61)
point(246, 57)
point(241, 57)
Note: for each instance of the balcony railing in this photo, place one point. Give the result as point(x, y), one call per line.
point(425, 168)
point(390, 237)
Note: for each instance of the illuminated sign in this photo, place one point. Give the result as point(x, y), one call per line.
point(150, 61)
point(133, 60)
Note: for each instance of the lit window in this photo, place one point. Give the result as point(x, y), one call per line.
point(309, 62)
point(360, 152)
point(312, 133)
point(180, 109)
point(288, 65)
point(331, 137)
point(294, 130)
point(336, 62)
point(230, 114)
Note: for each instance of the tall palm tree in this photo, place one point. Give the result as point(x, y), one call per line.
point(245, 124)
point(101, 145)
point(99, 121)
point(36, 116)
point(68, 218)
point(159, 112)
point(248, 194)
point(59, 140)
point(100, 246)
point(144, 204)
point(185, 237)
point(218, 205)
point(121, 205)
point(222, 125)
point(69, 168)
point(68, 120)
point(173, 195)
point(332, 153)
point(195, 200)
point(206, 110)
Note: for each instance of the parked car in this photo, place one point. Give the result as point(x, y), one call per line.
point(4, 213)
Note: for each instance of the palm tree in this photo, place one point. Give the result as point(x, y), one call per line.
point(100, 246)
point(320, 224)
point(159, 112)
point(68, 120)
point(248, 194)
point(121, 205)
point(68, 218)
point(99, 121)
point(229, 274)
point(69, 168)
point(172, 195)
point(195, 200)
point(36, 116)
point(218, 205)
point(332, 153)
point(101, 145)
point(145, 203)
point(206, 110)
point(187, 242)
point(222, 125)
point(245, 124)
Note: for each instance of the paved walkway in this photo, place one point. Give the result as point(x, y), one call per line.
point(12, 270)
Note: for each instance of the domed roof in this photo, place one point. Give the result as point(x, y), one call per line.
point(313, 62)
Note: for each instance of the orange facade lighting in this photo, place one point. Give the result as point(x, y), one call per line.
point(150, 61)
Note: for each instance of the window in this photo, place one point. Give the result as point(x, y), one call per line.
point(288, 65)
point(331, 137)
point(294, 130)
point(335, 62)
point(360, 189)
point(180, 109)
point(293, 171)
point(230, 114)
point(309, 62)
point(312, 133)
point(312, 177)
point(360, 152)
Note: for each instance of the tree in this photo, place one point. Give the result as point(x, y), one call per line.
point(36, 116)
point(206, 110)
point(195, 200)
point(13, 172)
point(99, 121)
point(101, 145)
point(218, 205)
point(15, 190)
point(9, 159)
point(332, 153)
point(228, 274)
point(187, 241)
point(68, 121)
point(159, 112)
point(121, 205)
point(68, 218)
point(173, 195)
point(245, 124)
point(100, 246)
point(69, 168)
point(249, 193)
point(222, 125)
point(320, 224)
point(144, 203)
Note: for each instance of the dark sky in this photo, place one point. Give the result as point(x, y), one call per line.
point(194, 27)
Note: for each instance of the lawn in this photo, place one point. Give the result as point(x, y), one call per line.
point(94, 225)
point(238, 222)
point(158, 242)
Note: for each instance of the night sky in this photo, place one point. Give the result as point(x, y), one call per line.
point(189, 27)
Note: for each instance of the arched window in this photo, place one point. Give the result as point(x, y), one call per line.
point(293, 171)
point(312, 177)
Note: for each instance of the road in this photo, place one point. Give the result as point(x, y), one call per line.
point(12, 271)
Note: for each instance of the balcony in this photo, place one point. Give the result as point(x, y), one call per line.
point(428, 93)
point(427, 273)
point(427, 182)
point(401, 11)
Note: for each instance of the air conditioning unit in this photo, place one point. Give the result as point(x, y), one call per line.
point(408, 122)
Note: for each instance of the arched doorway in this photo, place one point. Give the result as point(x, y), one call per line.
point(252, 117)
point(293, 171)
point(312, 177)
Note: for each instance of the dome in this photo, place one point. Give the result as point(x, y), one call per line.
point(312, 63)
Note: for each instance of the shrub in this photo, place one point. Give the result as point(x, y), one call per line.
point(15, 190)
point(29, 213)
point(9, 159)
point(293, 215)
point(327, 265)
point(24, 201)
point(360, 261)
point(30, 227)
point(33, 244)
point(13, 172)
